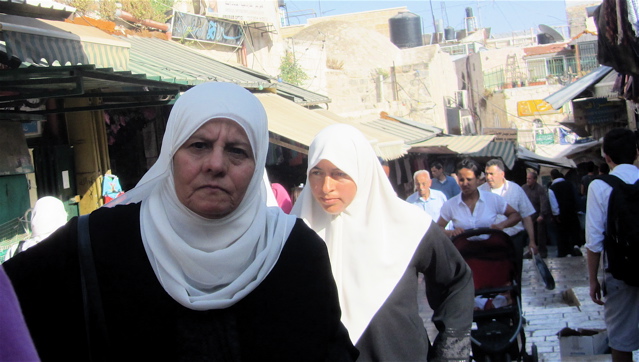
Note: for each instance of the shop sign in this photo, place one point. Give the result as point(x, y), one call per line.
point(535, 107)
point(242, 10)
point(599, 111)
point(544, 138)
point(502, 134)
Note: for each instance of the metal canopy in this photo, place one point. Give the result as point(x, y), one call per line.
point(26, 86)
point(171, 61)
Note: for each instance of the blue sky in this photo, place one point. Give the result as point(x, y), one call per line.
point(501, 16)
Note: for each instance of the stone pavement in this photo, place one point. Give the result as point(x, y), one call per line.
point(546, 312)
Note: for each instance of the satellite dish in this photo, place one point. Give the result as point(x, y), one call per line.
point(552, 33)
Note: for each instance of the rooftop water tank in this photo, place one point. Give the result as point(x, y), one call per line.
point(449, 33)
point(469, 12)
point(406, 30)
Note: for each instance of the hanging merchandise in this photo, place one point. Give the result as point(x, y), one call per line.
point(111, 188)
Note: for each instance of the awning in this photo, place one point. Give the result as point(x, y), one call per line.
point(44, 9)
point(504, 150)
point(572, 90)
point(170, 61)
point(45, 42)
point(558, 151)
point(299, 124)
point(410, 131)
point(453, 145)
point(525, 154)
point(31, 86)
point(387, 145)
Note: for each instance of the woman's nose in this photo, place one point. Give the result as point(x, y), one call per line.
point(216, 161)
point(328, 184)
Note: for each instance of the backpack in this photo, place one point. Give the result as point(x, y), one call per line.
point(621, 239)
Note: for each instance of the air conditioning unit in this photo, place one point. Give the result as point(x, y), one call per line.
point(461, 97)
point(467, 126)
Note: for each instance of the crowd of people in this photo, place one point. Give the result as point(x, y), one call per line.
point(207, 259)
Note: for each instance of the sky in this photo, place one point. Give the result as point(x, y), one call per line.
point(500, 16)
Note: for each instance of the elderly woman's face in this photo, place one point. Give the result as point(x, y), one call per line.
point(331, 187)
point(213, 168)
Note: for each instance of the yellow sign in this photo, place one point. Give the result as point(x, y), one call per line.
point(535, 107)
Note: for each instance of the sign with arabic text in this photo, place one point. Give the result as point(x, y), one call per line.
point(502, 134)
point(262, 11)
point(535, 107)
point(599, 111)
point(545, 138)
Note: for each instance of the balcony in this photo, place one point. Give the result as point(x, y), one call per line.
point(556, 70)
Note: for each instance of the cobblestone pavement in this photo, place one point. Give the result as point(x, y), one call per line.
point(546, 312)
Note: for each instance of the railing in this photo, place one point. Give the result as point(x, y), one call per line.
point(558, 70)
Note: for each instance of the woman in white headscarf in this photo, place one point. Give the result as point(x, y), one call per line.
point(47, 216)
point(378, 244)
point(195, 266)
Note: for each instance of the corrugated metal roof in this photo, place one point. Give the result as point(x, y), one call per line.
point(410, 131)
point(44, 42)
point(569, 92)
point(173, 62)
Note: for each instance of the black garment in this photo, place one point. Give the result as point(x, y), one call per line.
point(292, 315)
point(568, 226)
point(397, 333)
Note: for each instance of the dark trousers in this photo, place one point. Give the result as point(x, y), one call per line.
point(519, 240)
point(568, 230)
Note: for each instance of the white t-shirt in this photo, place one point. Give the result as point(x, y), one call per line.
point(488, 207)
point(516, 197)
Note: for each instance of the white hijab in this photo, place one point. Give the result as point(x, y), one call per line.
point(210, 263)
point(372, 241)
point(47, 216)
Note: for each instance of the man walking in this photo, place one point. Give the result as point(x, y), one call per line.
point(443, 183)
point(429, 200)
point(516, 197)
point(621, 309)
point(563, 204)
point(539, 199)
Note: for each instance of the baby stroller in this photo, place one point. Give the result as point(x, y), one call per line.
point(497, 333)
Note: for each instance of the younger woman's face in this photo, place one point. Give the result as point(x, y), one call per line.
point(331, 187)
point(467, 181)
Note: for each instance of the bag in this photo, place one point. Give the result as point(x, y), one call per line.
point(621, 239)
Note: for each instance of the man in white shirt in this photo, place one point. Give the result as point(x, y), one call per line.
point(621, 309)
point(428, 199)
point(516, 197)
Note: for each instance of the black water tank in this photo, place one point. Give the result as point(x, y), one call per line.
point(449, 33)
point(406, 30)
point(469, 12)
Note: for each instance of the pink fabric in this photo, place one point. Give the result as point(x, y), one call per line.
point(282, 197)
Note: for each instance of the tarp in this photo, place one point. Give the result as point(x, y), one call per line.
point(525, 154)
point(559, 151)
point(569, 92)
